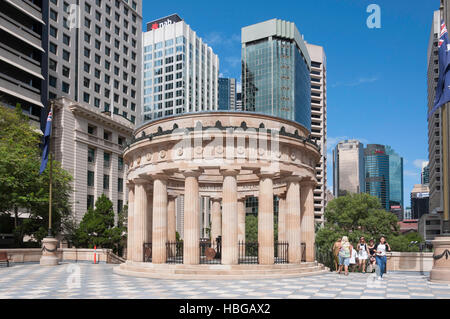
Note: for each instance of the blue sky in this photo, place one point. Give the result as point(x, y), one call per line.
point(377, 88)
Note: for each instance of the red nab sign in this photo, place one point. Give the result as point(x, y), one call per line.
point(154, 25)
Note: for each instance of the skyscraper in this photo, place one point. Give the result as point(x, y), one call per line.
point(425, 175)
point(276, 71)
point(180, 70)
point(227, 94)
point(395, 178)
point(95, 54)
point(376, 163)
point(435, 145)
point(419, 201)
point(348, 168)
point(319, 122)
point(23, 56)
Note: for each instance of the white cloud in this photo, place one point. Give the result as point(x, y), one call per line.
point(215, 38)
point(361, 80)
point(419, 163)
point(411, 173)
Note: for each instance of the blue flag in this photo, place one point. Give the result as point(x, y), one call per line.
point(47, 134)
point(443, 86)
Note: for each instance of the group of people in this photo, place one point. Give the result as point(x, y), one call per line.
point(363, 255)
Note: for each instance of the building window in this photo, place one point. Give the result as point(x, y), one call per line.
point(91, 155)
point(92, 130)
point(106, 160)
point(105, 181)
point(120, 185)
point(90, 201)
point(120, 164)
point(90, 181)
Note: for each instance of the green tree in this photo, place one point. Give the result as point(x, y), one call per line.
point(97, 228)
point(22, 190)
point(359, 215)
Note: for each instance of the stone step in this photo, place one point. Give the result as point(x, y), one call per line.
point(156, 275)
point(221, 267)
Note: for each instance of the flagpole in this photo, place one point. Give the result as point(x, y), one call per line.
point(50, 191)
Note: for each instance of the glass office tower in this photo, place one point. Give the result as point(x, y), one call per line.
point(276, 71)
point(395, 178)
point(227, 94)
point(376, 163)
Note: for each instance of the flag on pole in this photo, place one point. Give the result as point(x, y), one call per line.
point(47, 134)
point(443, 86)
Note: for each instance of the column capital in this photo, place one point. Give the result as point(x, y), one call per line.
point(216, 198)
point(171, 195)
point(141, 181)
point(160, 176)
point(229, 171)
point(308, 183)
point(241, 198)
point(192, 172)
point(266, 174)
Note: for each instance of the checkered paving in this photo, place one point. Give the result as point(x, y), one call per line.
point(89, 281)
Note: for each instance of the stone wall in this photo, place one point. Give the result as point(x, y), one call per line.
point(402, 261)
point(64, 254)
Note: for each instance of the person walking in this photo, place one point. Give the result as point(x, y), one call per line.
point(336, 248)
point(344, 255)
point(380, 249)
point(372, 260)
point(363, 254)
point(353, 259)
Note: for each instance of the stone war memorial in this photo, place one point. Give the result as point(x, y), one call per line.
point(228, 157)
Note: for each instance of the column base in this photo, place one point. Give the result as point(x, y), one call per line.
point(49, 252)
point(441, 265)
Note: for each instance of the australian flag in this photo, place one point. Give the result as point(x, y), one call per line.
point(47, 134)
point(443, 86)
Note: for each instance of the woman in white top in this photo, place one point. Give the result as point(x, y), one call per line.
point(353, 261)
point(363, 254)
point(380, 250)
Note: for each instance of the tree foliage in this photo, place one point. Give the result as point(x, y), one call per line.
point(97, 227)
point(22, 190)
point(357, 215)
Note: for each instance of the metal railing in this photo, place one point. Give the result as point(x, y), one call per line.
point(248, 253)
point(303, 250)
point(174, 252)
point(210, 252)
point(281, 252)
point(147, 252)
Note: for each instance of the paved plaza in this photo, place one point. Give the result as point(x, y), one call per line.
point(89, 281)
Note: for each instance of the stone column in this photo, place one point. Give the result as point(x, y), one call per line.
point(130, 221)
point(191, 242)
point(171, 219)
point(159, 219)
point(149, 213)
point(265, 220)
point(292, 220)
point(441, 263)
point(307, 219)
point(282, 218)
point(230, 250)
point(140, 220)
point(241, 219)
point(216, 219)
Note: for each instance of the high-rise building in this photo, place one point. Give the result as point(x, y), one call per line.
point(227, 94)
point(276, 70)
point(239, 101)
point(95, 54)
point(395, 179)
point(435, 138)
point(425, 175)
point(319, 122)
point(420, 201)
point(89, 145)
point(376, 163)
point(23, 56)
point(348, 168)
point(180, 71)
